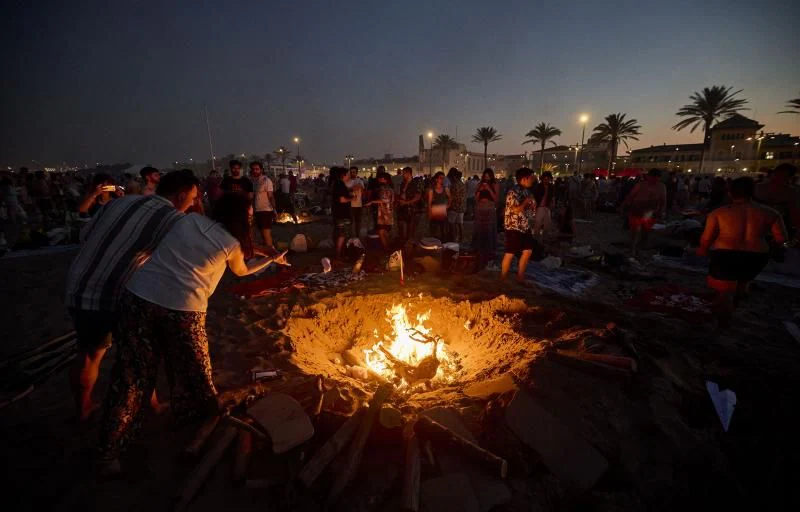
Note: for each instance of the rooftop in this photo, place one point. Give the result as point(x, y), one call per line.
point(669, 148)
point(737, 121)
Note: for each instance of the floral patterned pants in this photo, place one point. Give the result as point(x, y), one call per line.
point(148, 333)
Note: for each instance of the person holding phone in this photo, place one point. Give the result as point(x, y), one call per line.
point(102, 191)
point(484, 238)
point(163, 315)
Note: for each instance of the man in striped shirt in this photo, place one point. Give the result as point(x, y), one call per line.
point(116, 242)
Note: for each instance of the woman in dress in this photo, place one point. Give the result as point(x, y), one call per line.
point(163, 315)
point(484, 238)
point(438, 197)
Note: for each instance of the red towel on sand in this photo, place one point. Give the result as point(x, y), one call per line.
point(674, 300)
point(274, 284)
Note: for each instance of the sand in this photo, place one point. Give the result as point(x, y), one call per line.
point(660, 433)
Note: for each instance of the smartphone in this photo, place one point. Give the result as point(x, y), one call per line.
point(108, 188)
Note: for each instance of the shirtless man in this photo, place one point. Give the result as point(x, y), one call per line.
point(735, 238)
point(644, 205)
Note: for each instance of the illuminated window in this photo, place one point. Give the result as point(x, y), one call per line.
point(769, 155)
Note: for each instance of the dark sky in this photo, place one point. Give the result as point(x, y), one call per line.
point(127, 80)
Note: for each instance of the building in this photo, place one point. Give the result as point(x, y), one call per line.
point(738, 145)
point(368, 166)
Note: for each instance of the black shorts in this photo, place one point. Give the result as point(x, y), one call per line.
point(740, 266)
point(517, 242)
point(342, 227)
point(264, 220)
point(94, 329)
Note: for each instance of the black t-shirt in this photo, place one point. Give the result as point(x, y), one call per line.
point(239, 185)
point(339, 209)
point(538, 195)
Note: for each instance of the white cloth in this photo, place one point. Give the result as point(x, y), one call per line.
point(286, 185)
point(357, 194)
point(187, 265)
point(263, 186)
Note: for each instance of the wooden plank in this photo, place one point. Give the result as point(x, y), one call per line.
point(323, 457)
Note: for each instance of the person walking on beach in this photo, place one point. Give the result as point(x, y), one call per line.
point(356, 186)
point(484, 236)
point(644, 205)
point(458, 204)
point(117, 241)
point(735, 238)
point(263, 203)
point(408, 197)
point(163, 316)
point(438, 199)
point(520, 207)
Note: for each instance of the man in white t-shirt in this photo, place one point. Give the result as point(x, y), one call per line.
point(285, 203)
point(356, 186)
point(263, 202)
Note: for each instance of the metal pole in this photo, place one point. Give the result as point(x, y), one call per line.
point(210, 146)
point(430, 160)
point(580, 163)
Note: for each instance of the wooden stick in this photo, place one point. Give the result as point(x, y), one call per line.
point(357, 446)
point(244, 449)
point(330, 449)
point(625, 363)
point(427, 449)
point(411, 475)
point(201, 437)
point(41, 348)
point(195, 480)
point(592, 367)
point(429, 429)
point(245, 426)
point(291, 384)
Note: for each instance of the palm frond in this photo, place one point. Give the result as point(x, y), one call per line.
point(486, 135)
point(709, 105)
point(793, 106)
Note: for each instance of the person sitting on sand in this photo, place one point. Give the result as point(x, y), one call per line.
point(163, 314)
point(117, 241)
point(520, 206)
point(644, 205)
point(735, 238)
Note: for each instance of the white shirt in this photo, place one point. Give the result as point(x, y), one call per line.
point(262, 187)
point(357, 202)
point(286, 185)
point(187, 265)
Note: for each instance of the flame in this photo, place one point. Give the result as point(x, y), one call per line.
point(401, 344)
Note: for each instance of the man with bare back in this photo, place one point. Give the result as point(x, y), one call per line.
point(735, 237)
point(644, 205)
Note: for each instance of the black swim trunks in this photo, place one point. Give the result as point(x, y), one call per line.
point(739, 266)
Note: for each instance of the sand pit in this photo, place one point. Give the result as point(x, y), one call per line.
point(478, 338)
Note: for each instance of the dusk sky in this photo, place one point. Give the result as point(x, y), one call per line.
point(127, 81)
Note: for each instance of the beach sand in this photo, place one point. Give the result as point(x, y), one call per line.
point(663, 440)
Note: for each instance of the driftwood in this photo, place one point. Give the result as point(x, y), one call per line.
point(622, 362)
point(28, 354)
point(330, 449)
point(305, 389)
point(425, 370)
point(579, 362)
point(352, 358)
point(246, 427)
point(194, 481)
point(356, 450)
point(201, 437)
point(411, 475)
point(429, 429)
point(244, 450)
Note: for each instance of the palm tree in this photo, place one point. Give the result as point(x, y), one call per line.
point(793, 106)
point(486, 135)
point(706, 107)
point(615, 130)
point(283, 153)
point(541, 134)
point(445, 143)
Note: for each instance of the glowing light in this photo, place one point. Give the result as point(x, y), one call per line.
point(744, 168)
point(296, 140)
point(584, 118)
point(718, 170)
point(410, 343)
point(430, 135)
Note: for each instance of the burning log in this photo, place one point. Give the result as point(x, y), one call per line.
point(330, 449)
point(430, 429)
point(244, 449)
point(357, 446)
point(424, 371)
point(201, 437)
point(195, 480)
point(411, 476)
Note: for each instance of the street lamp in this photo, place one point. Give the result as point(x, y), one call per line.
point(297, 141)
point(430, 155)
point(584, 119)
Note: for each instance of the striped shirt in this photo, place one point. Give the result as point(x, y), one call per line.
point(118, 240)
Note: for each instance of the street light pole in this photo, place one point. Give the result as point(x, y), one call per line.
point(430, 155)
point(584, 118)
point(297, 141)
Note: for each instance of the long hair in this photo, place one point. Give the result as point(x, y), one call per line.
point(233, 212)
point(490, 172)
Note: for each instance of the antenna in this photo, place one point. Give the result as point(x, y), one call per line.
point(210, 145)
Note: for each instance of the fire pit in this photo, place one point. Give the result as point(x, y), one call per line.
point(420, 344)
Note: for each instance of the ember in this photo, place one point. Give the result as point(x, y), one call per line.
point(410, 354)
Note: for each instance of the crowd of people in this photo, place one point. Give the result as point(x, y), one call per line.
point(154, 249)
